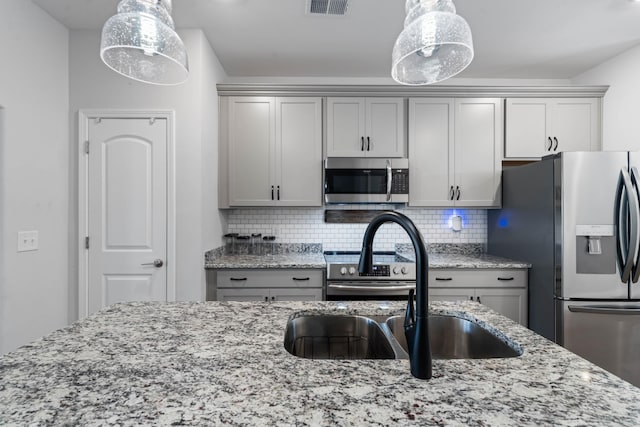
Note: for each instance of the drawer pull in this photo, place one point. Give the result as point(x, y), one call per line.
point(444, 279)
point(238, 279)
point(505, 279)
point(301, 279)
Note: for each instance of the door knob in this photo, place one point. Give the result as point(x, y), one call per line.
point(156, 263)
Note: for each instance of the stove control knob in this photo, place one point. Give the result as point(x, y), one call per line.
point(404, 270)
point(396, 270)
point(343, 270)
point(352, 270)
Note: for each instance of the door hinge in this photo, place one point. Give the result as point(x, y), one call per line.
point(86, 147)
point(86, 242)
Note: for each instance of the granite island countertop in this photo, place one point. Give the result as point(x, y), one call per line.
point(224, 363)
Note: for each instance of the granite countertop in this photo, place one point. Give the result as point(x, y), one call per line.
point(288, 260)
point(442, 261)
point(316, 260)
point(224, 363)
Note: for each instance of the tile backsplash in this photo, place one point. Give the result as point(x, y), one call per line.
point(306, 225)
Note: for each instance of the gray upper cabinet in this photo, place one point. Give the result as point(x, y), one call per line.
point(455, 152)
point(365, 127)
point(536, 127)
point(274, 151)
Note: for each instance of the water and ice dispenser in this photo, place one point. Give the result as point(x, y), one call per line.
point(595, 249)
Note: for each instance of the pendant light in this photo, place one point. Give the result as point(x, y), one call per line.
point(434, 45)
point(140, 42)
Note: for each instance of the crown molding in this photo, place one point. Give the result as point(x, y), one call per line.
point(248, 89)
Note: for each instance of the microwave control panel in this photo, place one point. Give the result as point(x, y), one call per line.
point(400, 181)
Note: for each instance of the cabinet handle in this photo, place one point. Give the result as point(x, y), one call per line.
point(368, 144)
point(479, 302)
point(458, 192)
point(550, 144)
point(238, 279)
point(362, 144)
point(444, 279)
point(272, 192)
point(273, 298)
point(301, 279)
point(471, 298)
point(556, 146)
point(278, 192)
point(505, 279)
point(451, 193)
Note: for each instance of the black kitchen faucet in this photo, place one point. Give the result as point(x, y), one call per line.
point(416, 321)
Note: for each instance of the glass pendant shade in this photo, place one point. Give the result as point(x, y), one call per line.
point(140, 42)
point(434, 45)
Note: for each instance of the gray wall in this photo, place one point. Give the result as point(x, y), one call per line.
point(620, 126)
point(34, 168)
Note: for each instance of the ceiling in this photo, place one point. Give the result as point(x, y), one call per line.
point(537, 39)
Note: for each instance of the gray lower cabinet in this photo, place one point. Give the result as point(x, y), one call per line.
point(265, 285)
point(504, 291)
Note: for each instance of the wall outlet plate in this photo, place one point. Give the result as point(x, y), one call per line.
point(27, 241)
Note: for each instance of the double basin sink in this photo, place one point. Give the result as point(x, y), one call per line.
point(381, 337)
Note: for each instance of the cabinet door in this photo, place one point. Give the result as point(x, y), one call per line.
point(251, 150)
point(345, 127)
point(478, 152)
point(384, 127)
point(295, 294)
point(431, 132)
point(299, 151)
point(575, 124)
point(527, 128)
point(451, 294)
point(509, 302)
point(245, 294)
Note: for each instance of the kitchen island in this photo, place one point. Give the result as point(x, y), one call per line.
point(224, 363)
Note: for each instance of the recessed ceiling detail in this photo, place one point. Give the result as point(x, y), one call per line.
point(328, 7)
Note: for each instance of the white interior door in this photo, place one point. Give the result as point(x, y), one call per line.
point(126, 211)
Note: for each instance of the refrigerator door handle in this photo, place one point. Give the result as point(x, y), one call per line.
point(634, 212)
point(594, 309)
point(627, 230)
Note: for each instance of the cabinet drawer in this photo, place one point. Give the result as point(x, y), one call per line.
point(504, 278)
point(269, 278)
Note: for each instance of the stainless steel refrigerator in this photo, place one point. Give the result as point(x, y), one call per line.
point(574, 216)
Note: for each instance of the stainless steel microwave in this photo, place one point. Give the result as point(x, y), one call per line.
point(363, 180)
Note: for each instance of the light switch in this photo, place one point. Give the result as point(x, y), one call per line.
point(27, 241)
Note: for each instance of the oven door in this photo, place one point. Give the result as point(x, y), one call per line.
point(364, 290)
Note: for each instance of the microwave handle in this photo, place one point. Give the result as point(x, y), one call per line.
point(389, 179)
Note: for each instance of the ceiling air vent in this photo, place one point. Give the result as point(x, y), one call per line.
point(328, 7)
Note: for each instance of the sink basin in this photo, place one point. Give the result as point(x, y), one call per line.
point(456, 338)
point(359, 337)
point(337, 337)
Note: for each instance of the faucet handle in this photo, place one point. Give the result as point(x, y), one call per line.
point(410, 314)
point(410, 323)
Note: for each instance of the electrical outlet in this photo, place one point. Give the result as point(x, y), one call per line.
point(27, 241)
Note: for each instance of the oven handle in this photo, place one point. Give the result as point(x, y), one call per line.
point(372, 288)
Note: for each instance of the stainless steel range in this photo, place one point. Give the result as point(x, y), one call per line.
point(392, 278)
